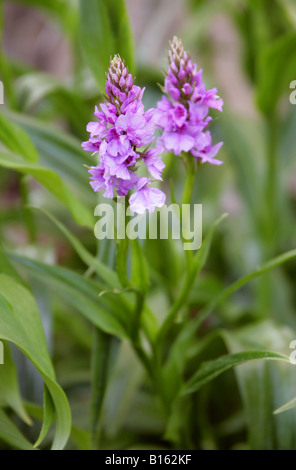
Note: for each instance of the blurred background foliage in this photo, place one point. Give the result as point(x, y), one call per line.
point(53, 60)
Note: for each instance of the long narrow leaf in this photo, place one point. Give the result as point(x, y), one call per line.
point(211, 369)
point(20, 324)
point(51, 181)
point(104, 273)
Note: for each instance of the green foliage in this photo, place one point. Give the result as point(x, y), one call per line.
point(9, 393)
point(20, 324)
point(151, 346)
point(10, 434)
point(81, 293)
point(212, 369)
point(16, 140)
point(140, 276)
point(276, 70)
point(104, 32)
point(52, 182)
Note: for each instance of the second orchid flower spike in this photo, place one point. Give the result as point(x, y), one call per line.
point(183, 113)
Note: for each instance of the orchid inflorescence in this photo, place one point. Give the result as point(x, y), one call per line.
point(183, 113)
point(124, 132)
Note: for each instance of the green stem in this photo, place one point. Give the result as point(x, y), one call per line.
point(271, 221)
point(28, 214)
point(179, 302)
point(122, 253)
point(122, 256)
point(102, 347)
point(190, 170)
point(154, 373)
point(140, 299)
point(271, 186)
point(190, 173)
point(121, 262)
point(99, 369)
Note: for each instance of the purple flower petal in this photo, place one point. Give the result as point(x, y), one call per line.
point(146, 199)
point(178, 141)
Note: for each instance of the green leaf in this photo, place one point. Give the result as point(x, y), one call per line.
point(103, 345)
point(9, 391)
point(277, 67)
point(191, 328)
point(20, 324)
point(104, 32)
point(11, 435)
point(48, 414)
point(140, 277)
point(16, 140)
point(59, 152)
point(6, 267)
point(121, 31)
point(105, 312)
point(201, 256)
point(286, 407)
point(244, 156)
point(126, 382)
point(51, 181)
point(104, 273)
point(197, 264)
point(79, 436)
point(187, 336)
point(211, 369)
point(264, 386)
point(35, 87)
